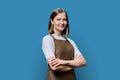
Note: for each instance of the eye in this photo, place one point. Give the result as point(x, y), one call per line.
point(64, 19)
point(58, 19)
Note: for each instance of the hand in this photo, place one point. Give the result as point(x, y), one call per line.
point(57, 62)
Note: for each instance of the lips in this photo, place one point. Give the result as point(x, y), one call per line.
point(62, 26)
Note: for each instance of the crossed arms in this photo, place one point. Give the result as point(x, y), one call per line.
point(66, 65)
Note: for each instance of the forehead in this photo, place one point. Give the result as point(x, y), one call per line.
point(61, 15)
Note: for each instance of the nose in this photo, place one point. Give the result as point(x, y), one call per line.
point(62, 22)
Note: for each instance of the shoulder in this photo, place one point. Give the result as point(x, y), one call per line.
point(47, 38)
point(70, 40)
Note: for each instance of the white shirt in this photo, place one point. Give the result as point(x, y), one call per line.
point(48, 45)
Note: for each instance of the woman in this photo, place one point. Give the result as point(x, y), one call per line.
point(60, 51)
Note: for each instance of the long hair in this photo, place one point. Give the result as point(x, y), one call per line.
point(55, 13)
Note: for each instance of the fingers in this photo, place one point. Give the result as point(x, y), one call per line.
point(55, 62)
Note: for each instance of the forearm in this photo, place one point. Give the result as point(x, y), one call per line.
point(65, 65)
point(69, 64)
point(55, 65)
point(75, 63)
point(63, 68)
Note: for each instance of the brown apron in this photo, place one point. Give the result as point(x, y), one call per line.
point(63, 50)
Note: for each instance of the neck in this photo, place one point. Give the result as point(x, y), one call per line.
point(58, 33)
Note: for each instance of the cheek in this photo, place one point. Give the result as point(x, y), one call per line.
point(65, 22)
point(56, 23)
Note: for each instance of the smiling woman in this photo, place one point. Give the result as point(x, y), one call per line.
point(60, 51)
point(59, 23)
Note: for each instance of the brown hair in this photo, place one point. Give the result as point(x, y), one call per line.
point(51, 27)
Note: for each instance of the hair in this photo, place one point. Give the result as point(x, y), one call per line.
point(55, 12)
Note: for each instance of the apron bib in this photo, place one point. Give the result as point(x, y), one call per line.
point(65, 51)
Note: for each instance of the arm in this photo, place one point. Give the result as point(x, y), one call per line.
point(78, 61)
point(58, 65)
point(65, 65)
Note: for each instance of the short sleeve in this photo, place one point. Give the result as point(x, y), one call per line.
point(76, 50)
point(48, 47)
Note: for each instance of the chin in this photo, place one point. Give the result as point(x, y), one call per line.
point(61, 29)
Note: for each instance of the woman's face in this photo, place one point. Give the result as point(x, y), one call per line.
point(59, 22)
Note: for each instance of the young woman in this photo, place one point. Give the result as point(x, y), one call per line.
point(60, 51)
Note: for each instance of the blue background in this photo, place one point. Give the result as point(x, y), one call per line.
point(94, 26)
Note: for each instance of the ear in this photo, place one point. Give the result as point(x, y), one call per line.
point(51, 21)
